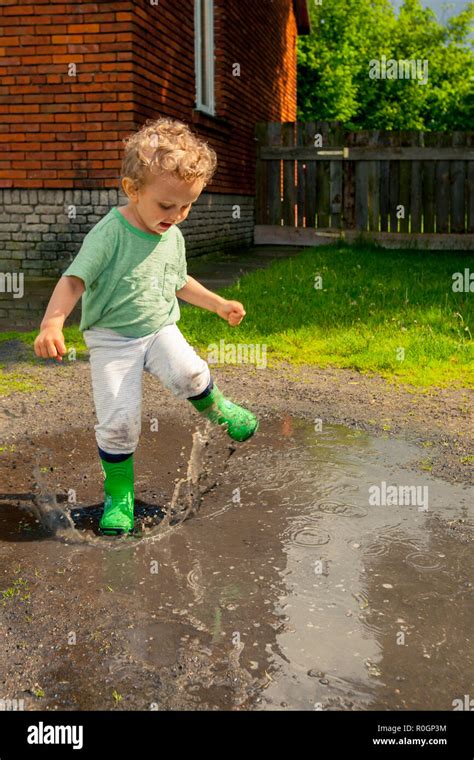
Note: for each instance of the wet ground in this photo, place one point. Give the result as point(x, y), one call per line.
point(261, 575)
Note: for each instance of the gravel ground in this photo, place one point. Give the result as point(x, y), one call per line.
point(440, 419)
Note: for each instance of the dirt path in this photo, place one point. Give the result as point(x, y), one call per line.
point(163, 644)
point(441, 419)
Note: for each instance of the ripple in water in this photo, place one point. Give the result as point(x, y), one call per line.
point(193, 579)
point(386, 540)
point(305, 531)
point(343, 510)
point(422, 561)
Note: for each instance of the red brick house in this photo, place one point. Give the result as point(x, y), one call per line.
point(76, 78)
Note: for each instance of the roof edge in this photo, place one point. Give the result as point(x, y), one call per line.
point(301, 11)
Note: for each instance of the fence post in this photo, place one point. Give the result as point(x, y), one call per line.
point(274, 176)
point(300, 177)
point(336, 139)
point(384, 184)
point(323, 178)
point(415, 198)
point(442, 184)
point(470, 186)
point(348, 182)
point(458, 199)
point(261, 177)
point(428, 180)
point(289, 188)
point(310, 133)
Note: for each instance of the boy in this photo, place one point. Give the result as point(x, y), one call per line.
point(129, 269)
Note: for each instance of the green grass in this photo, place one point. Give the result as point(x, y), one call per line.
point(12, 381)
point(72, 335)
point(372, 303)
point(16, 381)
point(15, 591)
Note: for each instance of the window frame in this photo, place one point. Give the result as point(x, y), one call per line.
point(208, 40)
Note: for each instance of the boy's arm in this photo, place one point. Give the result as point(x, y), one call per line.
point(195, 293)
point(65, 295)
point(49, 343)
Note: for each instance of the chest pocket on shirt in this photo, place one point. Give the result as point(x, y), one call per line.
point(170, 279)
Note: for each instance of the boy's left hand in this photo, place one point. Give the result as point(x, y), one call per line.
point(232, 311)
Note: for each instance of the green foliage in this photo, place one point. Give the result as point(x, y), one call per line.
point(334, 62)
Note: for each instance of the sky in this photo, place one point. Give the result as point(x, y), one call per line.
point(455, 6)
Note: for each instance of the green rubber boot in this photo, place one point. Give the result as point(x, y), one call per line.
point(119, 497)
point(241, 423)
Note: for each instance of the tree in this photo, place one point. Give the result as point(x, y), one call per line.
point(337, 66)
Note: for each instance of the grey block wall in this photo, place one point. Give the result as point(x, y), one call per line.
point(39, 237)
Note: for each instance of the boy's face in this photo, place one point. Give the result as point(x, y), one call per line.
point(163, 201)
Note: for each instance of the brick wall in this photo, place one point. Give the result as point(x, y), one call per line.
point(38, 236)
point(130, 61)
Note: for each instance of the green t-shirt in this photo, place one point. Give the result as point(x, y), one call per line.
point(130, 276)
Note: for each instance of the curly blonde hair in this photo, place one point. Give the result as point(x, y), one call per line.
point(167, 145)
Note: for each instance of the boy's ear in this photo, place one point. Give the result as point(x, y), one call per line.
point(124, 184)
point(129, 188)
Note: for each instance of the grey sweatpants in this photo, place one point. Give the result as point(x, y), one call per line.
point(117, 365)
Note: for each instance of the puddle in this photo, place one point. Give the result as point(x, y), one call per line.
point(277, 582)
point(79, 524)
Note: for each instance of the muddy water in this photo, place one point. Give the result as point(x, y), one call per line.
point(260, 575)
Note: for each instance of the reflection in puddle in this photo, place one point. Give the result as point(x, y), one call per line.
point(283, 588)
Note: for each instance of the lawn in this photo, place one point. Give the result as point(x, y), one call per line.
point(377, 311)
point(374, 310)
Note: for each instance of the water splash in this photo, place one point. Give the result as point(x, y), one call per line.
point(188, 491)
point(44, 506)
point(185, 500)
point(190, 483)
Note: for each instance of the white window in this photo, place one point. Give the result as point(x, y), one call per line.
point(204, 53)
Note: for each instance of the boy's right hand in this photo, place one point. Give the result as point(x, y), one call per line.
point(49, 344)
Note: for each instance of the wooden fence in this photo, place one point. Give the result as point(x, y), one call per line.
point(316, 178)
